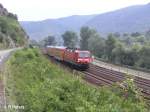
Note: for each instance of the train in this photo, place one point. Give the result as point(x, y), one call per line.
point(76, 57)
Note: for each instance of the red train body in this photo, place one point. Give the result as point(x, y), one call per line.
point(75, 57)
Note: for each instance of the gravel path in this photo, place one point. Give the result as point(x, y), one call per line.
point(4, 54)
point(138, 73)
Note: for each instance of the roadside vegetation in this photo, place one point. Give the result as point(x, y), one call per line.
point(34, 82)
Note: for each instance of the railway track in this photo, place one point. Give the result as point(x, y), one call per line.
point(101, 76)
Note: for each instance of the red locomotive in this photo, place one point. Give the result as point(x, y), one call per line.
point(75, 57)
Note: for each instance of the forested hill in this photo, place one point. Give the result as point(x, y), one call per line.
point(129, 19)
point(11, 33)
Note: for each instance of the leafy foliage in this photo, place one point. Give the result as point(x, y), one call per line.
point(50, 40)
point(131, 50)
point(127, 49)
point(43, 87)
point(70, 39)
point(85, 34)
point(110, 45)
point(145, 57)
point(96, 45)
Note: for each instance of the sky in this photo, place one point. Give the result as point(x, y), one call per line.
point(34, 10)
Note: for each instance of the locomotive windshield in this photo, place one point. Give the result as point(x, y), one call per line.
point(84, 54)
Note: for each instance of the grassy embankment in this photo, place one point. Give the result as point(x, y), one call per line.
point(38, 85)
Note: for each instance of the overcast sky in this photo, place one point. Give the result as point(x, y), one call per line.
point(44, 9)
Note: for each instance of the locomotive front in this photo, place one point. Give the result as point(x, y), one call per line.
point(84, 58)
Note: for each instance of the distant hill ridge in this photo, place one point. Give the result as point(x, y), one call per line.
point(126, 20)
point(130, 19)
point(39, 29)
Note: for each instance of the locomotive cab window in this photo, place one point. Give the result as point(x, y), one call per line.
point(84, 54)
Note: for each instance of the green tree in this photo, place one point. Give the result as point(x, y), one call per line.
point(110, 45)
point(125, 35)
point(136, 34)
point(118, 53)
point(50, 40)
point(128, 40)
point(147, 35)
point(130, 57)
point(85, 34)
point(141, 39)
point(96, 45)
point(145, 57)
point(70, 39)
point(117, 34)
point(1, 37)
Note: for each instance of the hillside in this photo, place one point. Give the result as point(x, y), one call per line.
point(11, 33)
point(129, 19)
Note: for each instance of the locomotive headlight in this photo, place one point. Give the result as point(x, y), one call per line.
point(83, 60)
point(79, 60)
